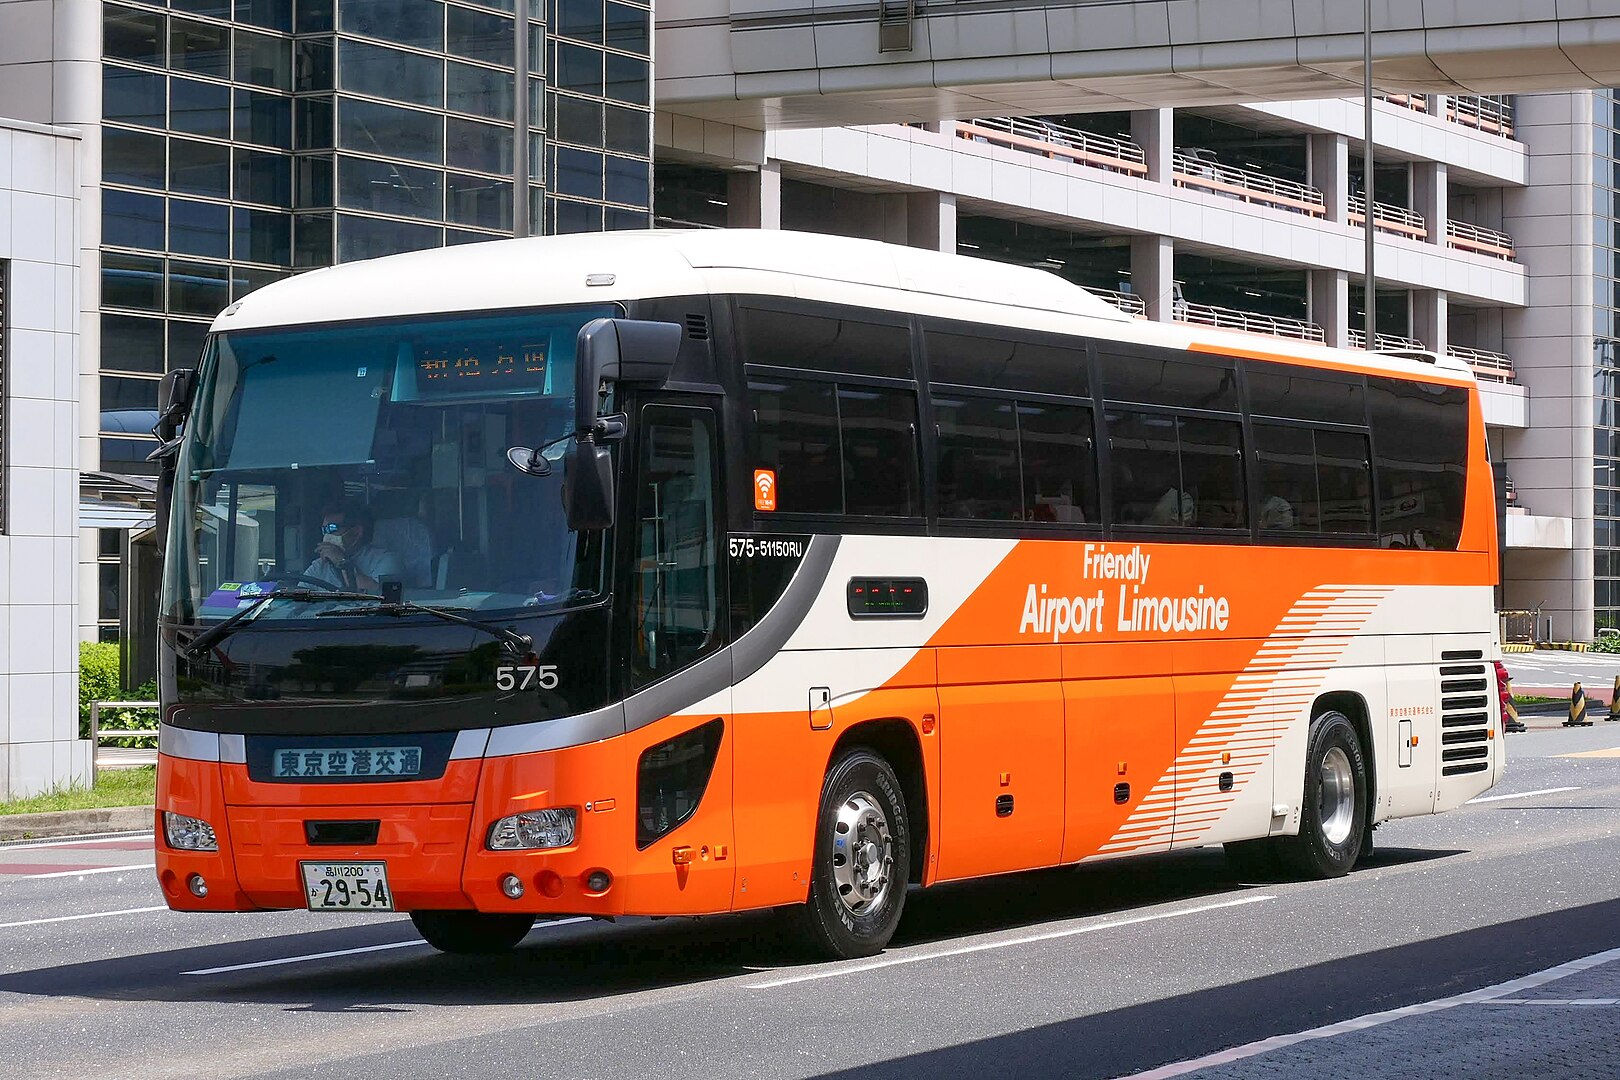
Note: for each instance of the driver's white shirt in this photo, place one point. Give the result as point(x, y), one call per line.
point(374, 562)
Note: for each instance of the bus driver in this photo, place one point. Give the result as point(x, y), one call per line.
point(346, 558)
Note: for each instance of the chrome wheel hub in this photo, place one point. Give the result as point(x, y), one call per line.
point(1336, 805)
point(862, 853)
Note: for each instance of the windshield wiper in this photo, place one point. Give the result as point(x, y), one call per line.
point(220, 631)
point(511, 640)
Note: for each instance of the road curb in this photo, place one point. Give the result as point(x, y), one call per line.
point(57, 823)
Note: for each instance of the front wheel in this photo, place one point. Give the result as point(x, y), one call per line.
point(1333, 819)
point(471, 933)
point(862, 859)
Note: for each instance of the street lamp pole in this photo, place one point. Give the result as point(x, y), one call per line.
point(1370, 289)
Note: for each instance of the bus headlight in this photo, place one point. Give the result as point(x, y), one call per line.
point(188, 834)
point(534, 829)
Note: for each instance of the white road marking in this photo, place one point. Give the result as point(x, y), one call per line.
point(1028, 939)
point(80, 873)
point(1521, 794)
point(1556, 1001)
point(279, 961)
point(101, 839)
point(1486, 995)
point(74, 918)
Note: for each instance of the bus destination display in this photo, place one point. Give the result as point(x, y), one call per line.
point(463, 369)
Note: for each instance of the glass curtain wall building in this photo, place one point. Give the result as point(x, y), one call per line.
point(1606, 357)
point(245, 140)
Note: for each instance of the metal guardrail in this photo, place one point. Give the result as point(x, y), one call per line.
point(1477, 238)
point(1389, 218)
point(1415, 102)
point(1249, 185)
point(1129, 303)
point(1488, 365)
point(97, 735)
point(1385, 342)
point(1236, 319)
point(1057, 141)
point(1489, 114)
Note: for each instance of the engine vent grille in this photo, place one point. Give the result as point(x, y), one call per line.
point(1465, 717)
point(697, 327)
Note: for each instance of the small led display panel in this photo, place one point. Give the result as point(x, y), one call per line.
point(892, 598)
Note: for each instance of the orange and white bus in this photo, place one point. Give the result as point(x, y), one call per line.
point(687, 573)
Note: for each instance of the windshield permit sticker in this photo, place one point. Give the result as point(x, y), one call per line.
point(360, 374)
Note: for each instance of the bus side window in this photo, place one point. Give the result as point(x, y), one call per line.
point(676, 591)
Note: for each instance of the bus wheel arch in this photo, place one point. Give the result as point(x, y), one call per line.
point(896, 741)
point(1354, 707)
point(1335, 803)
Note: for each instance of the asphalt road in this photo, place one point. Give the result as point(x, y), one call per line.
point(1101, 971)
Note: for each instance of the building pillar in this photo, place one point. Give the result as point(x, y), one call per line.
point(755, 198)
point(1154, 130)
point(931, 221)
point(1328, 165)
point(1329, 302)
point(1429, 319)
point(1429, 196)
point(1153, 275)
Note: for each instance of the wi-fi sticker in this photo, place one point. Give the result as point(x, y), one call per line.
point(764, 489)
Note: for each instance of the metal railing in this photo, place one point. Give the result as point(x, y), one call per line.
point(1487, 365)
point(1129, 303)
point(131, 756)
point(1415, 102)
point(1478, 239)
point(1385, 342)
point(1252, 322)
point(1389, 218)
point(1116, 154)
point(1490, 114)
point(1249, 185)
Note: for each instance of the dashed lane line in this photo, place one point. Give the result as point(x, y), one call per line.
point(1521, 795)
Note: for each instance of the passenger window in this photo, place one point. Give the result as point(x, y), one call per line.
point(1212, 473)
point(796, 436)
point(978, 458)
point(1059, 462)
point(819, 343)
point(880, 451)
point(1344, 478)
point(1146, 470)
point(676, 592)
point(1288, 496)
point(1275, 390)
point(1000, 364)
point(1159, 377)
point(1420, 434)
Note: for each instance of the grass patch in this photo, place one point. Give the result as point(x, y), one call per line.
point(114, 787)
point(1537, 700)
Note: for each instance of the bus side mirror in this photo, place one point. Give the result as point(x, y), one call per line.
point(587, 488)
point(174, 405)
point(619, 350)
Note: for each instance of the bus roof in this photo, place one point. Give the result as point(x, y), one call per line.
point(592, 268)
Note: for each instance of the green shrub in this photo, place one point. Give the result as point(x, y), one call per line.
point(1606, 643)
point(99, 681)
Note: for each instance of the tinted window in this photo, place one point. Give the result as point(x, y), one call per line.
point(1344, 479)
point(796, 434)
point(1059, 462)
point(200, 47)
point(479, 36)
point(390, 73)
point(132, 157)
point(972, 360)
point(1173, 471)
point(1278, 391)
point(1146, 469)
point(1288, 496)
point(387, 188)
point(1160, 377)
point(1420, 435)
point(131, 281)
point(880, 451)
point(979, 475)
point(374, 128)
point(200, 108)
point(199, 168)
point(132, 97)
point(821, 343)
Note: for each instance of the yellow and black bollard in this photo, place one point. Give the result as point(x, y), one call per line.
point(1510, 717)
point(1614, 702)
point(1577, 708)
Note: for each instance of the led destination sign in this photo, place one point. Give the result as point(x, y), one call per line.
point(480, 369)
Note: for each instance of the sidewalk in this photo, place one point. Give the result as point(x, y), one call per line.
point(59, 823)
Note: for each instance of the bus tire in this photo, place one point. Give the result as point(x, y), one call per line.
point(862, 859)
point(1333, 814)
point(472, 933)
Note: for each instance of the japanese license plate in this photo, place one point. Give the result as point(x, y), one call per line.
point(347, 886)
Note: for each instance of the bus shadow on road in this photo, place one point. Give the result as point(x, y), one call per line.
point(581, 961)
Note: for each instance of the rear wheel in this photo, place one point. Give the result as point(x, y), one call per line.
point(1333, 818)
point(471, 933)
point(862, 859)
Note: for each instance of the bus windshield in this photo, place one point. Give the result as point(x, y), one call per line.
point(348, 456)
